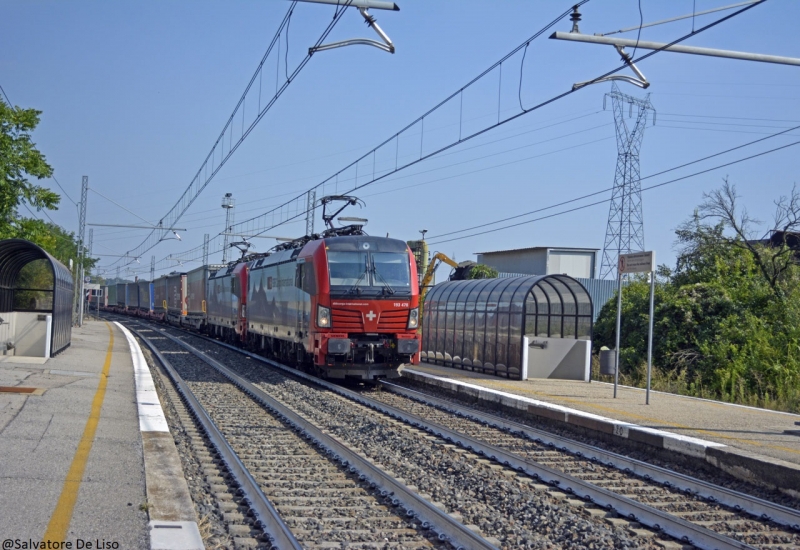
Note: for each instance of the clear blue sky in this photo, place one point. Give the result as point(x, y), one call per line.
point(135, 94)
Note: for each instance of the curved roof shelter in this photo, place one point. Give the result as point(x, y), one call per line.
point(48, 291)
point(482, 324)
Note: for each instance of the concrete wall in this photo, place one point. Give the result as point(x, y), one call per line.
point(28, 333)
point(529, 262)
point(543, 261)
point(559, 359)
point(572, 263)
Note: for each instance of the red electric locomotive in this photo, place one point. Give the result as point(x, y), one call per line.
point(346, 305)
point(342, 303)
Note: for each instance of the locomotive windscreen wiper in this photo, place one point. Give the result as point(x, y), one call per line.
point(354, 289)
point(387, 287)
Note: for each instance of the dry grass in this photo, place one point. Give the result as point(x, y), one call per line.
point(678, 383)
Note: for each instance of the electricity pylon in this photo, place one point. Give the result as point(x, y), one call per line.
point(625, 229)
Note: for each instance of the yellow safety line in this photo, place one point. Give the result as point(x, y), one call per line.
point(62, 515)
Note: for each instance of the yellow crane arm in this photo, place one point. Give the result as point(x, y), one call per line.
point(428, 277)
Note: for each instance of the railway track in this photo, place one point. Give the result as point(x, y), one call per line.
point(305, 488)
point(756, 522)
point(514, 485)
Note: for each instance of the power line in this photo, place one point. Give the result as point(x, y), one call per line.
point(5, 96)
point(420, 120)
point(553, 99)
point(708, 123)
point(721, 130)
point(64, 191)
point(582, 207)
point(457, 152)
point(730, 117)
point(292, 209)
point(211, 165)
point(95, 191)
point(486, 168)
point(684, 165)
point(59, 237)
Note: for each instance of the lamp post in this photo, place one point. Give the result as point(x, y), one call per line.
point(228, 203)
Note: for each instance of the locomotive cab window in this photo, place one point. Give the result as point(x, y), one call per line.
point(348, 268)
point(393, 268)
point(376, 273)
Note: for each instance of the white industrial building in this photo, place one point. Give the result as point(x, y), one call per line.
point(543, 260)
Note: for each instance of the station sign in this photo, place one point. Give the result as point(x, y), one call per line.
point(637, 262)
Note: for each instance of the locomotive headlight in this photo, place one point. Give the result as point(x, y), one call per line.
point(323, 317)
point(413, 318)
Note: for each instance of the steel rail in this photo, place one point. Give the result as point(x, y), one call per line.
point(755, 506)
point(446, 527)
point(265, 512)
point(676, 527)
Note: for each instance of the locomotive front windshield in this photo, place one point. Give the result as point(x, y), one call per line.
point(373, 273)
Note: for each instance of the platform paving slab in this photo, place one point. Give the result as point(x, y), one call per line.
point(39, 435)
point(132, 492)
point(747, 442)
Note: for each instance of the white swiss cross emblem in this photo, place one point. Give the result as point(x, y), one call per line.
point(371, 316)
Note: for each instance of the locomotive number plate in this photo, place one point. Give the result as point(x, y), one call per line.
point(401, 304)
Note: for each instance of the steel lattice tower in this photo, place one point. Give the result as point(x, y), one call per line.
point(310, 204)
point(625, 229)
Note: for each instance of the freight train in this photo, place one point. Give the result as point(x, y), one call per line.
point(342, 304)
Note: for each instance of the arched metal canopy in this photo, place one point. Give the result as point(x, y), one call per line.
point(480, 324)
point(15, 254)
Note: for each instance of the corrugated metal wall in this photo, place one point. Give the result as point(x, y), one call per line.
point(601, 290)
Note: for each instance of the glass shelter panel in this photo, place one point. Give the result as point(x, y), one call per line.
point(480, 324)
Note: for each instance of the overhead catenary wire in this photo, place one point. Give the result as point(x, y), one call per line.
point(604, 201)
point(211, 163)
point(513, 117)
point(436, 107)
point(203, 214)
point(300, 212)
point(639, 32)
point(205, 221)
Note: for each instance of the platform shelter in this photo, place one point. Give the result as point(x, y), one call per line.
point(522, 327)
point(36, 297)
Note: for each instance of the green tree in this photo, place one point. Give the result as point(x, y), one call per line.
point(482, 271)
point(19, 158)
point(726, 318)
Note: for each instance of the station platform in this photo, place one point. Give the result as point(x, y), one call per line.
point(750, 443)
point(83, 462)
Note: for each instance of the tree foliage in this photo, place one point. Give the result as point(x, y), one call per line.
point(727, 318)
point(482, 271)
point(19, 159)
